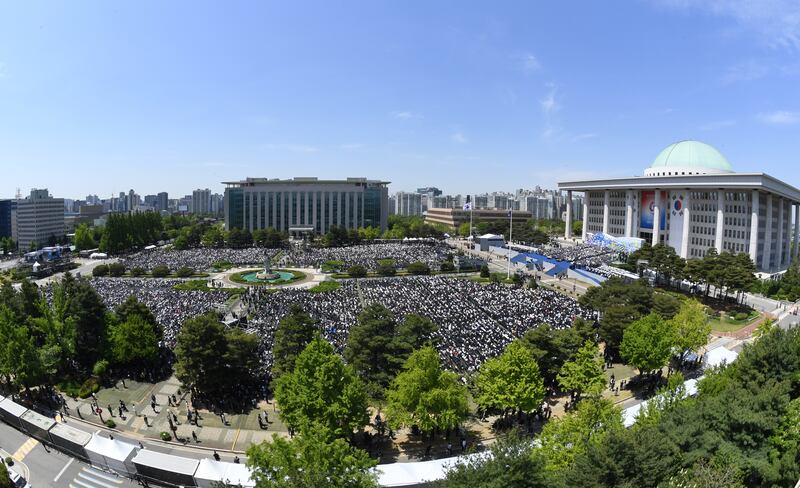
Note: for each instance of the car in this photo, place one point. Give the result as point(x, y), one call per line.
point(17, 480)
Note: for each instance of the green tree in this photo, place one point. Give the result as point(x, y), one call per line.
point(321, 388)
point(5, 480)
point(412, 333)
point(463, 229)
point(424, 395)
point(213, 237)
point(584, 373)
point(567, 437)
point(665, 305)
point(134, 342)
point(357, 271)
point(160, 271)
point(294, 333)
point(418, 268)
point(89, 311)
point(511, 464)
point(372, 350)
point(647, 344)
point(484, 271)
point(551, 348)
point(198, 360)
point(84, 238)
point(310, 459)
point(690, 328)
point(511, 381)
point(132, 306)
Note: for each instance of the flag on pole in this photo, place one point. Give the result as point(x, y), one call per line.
point(468, 206)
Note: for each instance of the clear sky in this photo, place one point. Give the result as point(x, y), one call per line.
point(100, 97)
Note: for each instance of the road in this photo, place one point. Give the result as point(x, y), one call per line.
point(44, 467)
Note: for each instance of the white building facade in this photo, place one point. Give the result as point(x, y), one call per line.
point(39, 219)
point(691, 199)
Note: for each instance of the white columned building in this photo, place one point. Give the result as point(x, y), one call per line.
point(691, 199)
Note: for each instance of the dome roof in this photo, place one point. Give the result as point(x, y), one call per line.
point(692, 155)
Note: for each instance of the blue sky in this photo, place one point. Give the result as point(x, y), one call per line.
point(101, 97)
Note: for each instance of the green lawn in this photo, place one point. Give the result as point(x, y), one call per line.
point(728, 324)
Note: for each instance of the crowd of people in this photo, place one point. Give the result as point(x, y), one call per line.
point(196, 259)
point(170, 307)
point(475, 321)
point(368, 255)
point(586, 255)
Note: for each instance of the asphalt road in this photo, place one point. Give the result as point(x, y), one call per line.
point(45, 467)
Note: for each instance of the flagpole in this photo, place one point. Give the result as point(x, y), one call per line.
point(510, 233)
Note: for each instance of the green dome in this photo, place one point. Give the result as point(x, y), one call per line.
point(692, 155)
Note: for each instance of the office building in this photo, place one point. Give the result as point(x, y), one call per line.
point(453, 217)
point(407, 203)
point(7, 209)
point(39, 219)
point(691, 199)
point(201, 201)
point(162, 201)
point(303, 205)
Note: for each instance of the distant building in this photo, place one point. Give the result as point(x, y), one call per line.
point(39, 219)
point(162, 202)
point(302, 205)
point(407, 203)
point(430, 190)
point(201, 201)
point(7, 208)
point(452, 217)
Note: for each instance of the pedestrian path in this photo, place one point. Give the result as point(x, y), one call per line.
point(89, 477)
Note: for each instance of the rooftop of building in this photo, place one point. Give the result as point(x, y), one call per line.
point(250, 181)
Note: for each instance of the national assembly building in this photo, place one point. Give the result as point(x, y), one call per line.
point(306, 205)
point(691, 199)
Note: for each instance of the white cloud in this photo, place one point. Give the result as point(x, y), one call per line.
point(746, 71)
point(777, 22)
point(779, 117)
point(298, 148)
point(459, 138)
point(530, 63)
point(718, 124)
point(549, 105)
point(405, 115)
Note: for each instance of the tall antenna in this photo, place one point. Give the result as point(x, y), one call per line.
point(19, 194)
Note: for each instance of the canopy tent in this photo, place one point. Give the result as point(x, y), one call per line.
point(173, 470)
point(417, 474)
point(111, 453)
point(11, 411)
point(210, 472)
point(719, 356)
point(629, 414)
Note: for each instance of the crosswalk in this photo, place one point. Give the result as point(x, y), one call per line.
point(24, 450)
point(90, 477)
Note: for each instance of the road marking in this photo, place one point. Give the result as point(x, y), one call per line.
point(25, 449)
point(63, 469)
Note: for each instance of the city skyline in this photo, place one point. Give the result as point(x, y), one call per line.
point(101, 98)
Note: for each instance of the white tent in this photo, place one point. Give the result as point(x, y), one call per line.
point(720, 355)
point(210, 471)
point(629, 414)
point(412, 474)
point(691, 386)
point(111, 453)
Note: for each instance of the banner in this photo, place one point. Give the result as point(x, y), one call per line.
point(648, 202)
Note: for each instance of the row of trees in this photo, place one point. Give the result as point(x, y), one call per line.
point(215, 237)
point(74, 334)
point(786, 287)
point(724, 271)
point(740, 430)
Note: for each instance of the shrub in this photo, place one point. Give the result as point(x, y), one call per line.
point(418, 268)
point(184, 272)
point(9, 461)
point(137, 271)
point(166, 436)
point(386, 270)
point(100, 270)
point(325, 287)
point(110, 424)
point(357, 271)
point(88, 387)
point(116, 269)
point(160, 271)
point(100, 367)
point(447, 267)
point(485, 271)
point(741, 316)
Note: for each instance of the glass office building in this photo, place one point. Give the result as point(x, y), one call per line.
point(303, 205)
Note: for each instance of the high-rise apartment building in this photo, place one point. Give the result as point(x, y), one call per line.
point(201, 201)
point(407, 203)
point(39, 219)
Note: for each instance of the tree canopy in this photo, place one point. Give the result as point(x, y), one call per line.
point(511, 381)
